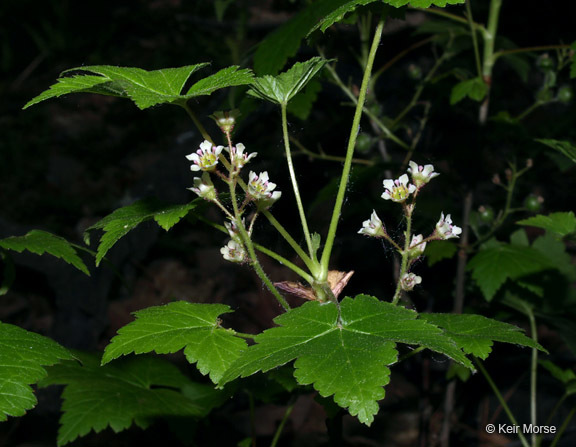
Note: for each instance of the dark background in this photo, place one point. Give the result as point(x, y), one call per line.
point(66, 163)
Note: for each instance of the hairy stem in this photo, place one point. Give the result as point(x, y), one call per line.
point(301, 212)
point(489, 34)
point(349, 153)
point(404, 263)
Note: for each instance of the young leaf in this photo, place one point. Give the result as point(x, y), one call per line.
point(491, 267)
point(475, 334)
point(346, 356)
point(566, 376)
point(145, 88)
point(23, 355)
point(123, 220)
point(40, 242)
point(563, 223)
point(133, 390)
point(475, 89)
point(192, 326)
point(282, 88)
point(564, 147)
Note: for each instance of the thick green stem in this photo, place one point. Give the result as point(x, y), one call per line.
point(489, 34)
point(349, 154)
point(502, 401)
point(301, 212)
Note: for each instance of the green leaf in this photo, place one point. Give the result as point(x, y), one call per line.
point(424, 3)
point(282, 88)
point(475, 89)
point(337, 14)
point(493, 266)
point(562, 223)
point(40, 242)
point(23, 355)
point(475, 334)
point(347, 357)
point(123, 220)
point(555, 251)
point(192, 326)
point(564, 147)
point(301, 105)
point(566, 376)
point(134, 390)
point(145, 88)
point(436, 251)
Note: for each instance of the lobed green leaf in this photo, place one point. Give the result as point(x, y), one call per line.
point(346, 356)
point(134, 390)
point(492, 266)
point(144, 88)
point(475, 89)
point(123, 220)
point(23, 356)
point(282, 88)
point(170, 328)
point(562, 223)
point(475, 334)
point(40, 242)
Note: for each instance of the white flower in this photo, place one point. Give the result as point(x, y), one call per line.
point(445, 229)
point(409, 280)
point(233, 252)
point(205, 158)
point(421, 174)
point(373, 226)
point(261, 189)
point(239, 158)
point(204, 187)
point(417, 247)
point(233, 230)
point(398, 190)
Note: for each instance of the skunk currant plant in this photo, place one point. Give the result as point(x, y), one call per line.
point(343, 347)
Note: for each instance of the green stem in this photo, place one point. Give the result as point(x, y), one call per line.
point(282, 424)
point(474, 38)
point(197, 123)
point(489, 35)
point(303, 220)
point(533, 374)
point(323, 156)
point(530, 49)
point(411, 353)
point(529, 110)
point(251, 252)
point(288, 238)
point(563, 427)
point(502, 401)
point(404, 263)
point(349, 154)
point(281, 259)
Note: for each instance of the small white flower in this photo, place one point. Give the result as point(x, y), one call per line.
point(373, 226)
point(445, 229)
point(261, 189)
point(417, 247)
point(398, 190)
point(204, 187)
point(233, 252)
point(421, 174)
point(205, 158)
point(239, 158)
point(409, 280)
point(233, 230)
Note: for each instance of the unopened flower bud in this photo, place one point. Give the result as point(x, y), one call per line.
point(226, 120)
